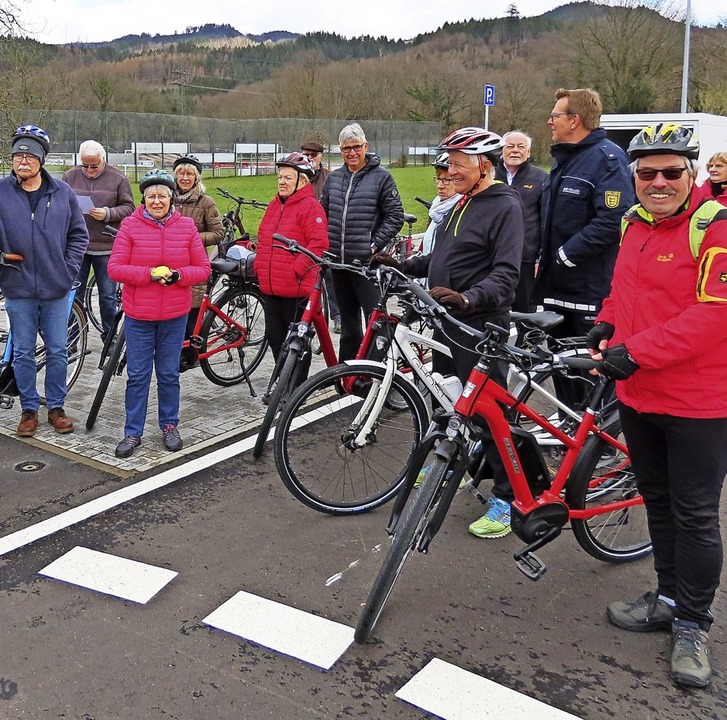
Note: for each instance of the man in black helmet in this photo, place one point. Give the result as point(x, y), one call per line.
point(39, 219)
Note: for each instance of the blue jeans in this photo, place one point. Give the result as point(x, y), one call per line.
point(105, 286)
point(50, 318)
point(152, 344)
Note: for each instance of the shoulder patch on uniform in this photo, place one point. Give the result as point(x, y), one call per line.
point(612, 198)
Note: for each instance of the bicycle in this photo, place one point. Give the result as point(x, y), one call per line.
point(593, 488)
point(91, 304)
point(226, 327)
point(232, 219)
point(76, 346)
point(296, 350)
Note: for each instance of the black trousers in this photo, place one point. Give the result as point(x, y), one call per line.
point(356, 297)
point(680, 465)
point(279, 313)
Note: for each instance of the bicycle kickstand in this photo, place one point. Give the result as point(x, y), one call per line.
point(527, 562)
point(246, 375)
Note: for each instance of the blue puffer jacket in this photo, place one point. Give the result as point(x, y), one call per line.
point(363, 208)
point(52, 240)
point(588, 191)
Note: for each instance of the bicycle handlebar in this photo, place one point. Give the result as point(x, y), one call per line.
point(426, 203)
point(241, 200)
point(294, 246)
point(6, 258)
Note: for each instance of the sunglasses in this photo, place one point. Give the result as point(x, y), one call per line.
point(89, 167)
point(647, 174)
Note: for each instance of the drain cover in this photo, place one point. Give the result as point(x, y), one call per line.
point(30, 466)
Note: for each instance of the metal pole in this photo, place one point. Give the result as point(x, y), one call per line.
point(685, 66)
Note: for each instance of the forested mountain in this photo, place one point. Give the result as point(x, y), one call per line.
point(631, 54)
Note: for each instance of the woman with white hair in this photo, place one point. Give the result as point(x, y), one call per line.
point(158, 256)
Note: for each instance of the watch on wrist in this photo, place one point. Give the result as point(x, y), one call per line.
point(466, 302)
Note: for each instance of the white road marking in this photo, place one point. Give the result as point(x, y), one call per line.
point(299, 634)
point(64, 520)
point(109, 574)
point(451, 693)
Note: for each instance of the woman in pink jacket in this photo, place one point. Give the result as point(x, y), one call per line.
point(158, 255)
point(286, 278)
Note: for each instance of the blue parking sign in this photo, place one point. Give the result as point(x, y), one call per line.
point(489, 95)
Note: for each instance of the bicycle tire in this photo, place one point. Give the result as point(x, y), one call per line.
point(91, 303)
point(244, 304)
point(110, 369)
point(408, 531)
point(313, 440)
point(284, 386)
point(602, 476)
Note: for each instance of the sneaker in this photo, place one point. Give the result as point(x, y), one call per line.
point(28, 424)
point(690, 661)
point(172, 438)
point(60, 421)
point(265, 399)
point(127, 446)
point(495, 523)
point(642, 615)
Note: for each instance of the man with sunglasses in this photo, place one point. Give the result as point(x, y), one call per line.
point(112, 199)
point(662, 334)
point(364, 213)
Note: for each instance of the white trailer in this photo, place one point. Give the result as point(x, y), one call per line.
point(711, 131)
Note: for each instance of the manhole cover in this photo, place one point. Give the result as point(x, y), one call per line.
point(30, 466)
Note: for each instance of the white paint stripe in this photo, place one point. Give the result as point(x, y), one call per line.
point(451, 693)
point(299, 634)
point(110, 574)
point(100, 505)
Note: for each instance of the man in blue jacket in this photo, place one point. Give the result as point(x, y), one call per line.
point(39, 219)
point(364, 213)
point(589, 190)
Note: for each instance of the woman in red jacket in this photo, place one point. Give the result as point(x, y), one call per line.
point(158, 255)
point(286, 279)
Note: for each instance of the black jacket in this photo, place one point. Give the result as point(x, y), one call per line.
point(528, 181)
point(478, 251)
point(363, 208)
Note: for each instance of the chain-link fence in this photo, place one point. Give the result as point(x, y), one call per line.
point(225, 146)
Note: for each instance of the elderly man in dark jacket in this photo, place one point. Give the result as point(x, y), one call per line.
point(364, 213)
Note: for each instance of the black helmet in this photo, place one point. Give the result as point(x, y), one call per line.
point(665, 138)
point(188, 160)
point(157, 177)
point(441, 162)
point(298, 162)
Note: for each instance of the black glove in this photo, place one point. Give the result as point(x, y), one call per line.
point(449, 298)
point(600, 331)
point(617, 363)
point(381, 258)
point(174, 277)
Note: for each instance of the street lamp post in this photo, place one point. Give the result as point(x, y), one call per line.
point(685, 65)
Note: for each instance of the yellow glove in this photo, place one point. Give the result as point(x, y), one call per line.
point(160, 272)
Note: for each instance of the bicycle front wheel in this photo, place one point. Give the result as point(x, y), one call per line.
point(602, 477)
point(408, 532)
point(283, 389)
point(340, 446)
point(237, 345)
point(113, 367)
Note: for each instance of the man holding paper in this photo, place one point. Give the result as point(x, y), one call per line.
point(105, 198)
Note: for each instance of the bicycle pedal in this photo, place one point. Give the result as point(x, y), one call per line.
point(530, 565)
point(6, 402)
point(471, 487)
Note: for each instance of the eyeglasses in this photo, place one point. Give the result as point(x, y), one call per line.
point(444, 181)
point(156, 198)
point(553, 116)
point(25, 156)
point(86, 166)
point(671, 173)
point(351, 149)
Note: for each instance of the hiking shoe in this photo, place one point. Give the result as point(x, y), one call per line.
point(642, 615)
point(337, 327)
point(127, 446)
point(265, 399)
point(495, 523)
point(60, 421)
point(28, 424)
point(172, 438)
point(690, 661)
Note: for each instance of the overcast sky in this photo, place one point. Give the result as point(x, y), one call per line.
point(64, 21)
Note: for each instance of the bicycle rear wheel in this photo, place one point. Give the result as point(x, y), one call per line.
point(406, 538)
point(603, 476)
point(114, 366)
point(320, 453)
point(244, 305)
point(284, 386)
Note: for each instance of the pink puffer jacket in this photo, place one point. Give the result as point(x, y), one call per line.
point(142, 245)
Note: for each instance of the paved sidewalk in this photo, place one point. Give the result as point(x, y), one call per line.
point(209, 414)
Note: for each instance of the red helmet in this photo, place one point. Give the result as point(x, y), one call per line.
point(474, 141)
point(298, 162)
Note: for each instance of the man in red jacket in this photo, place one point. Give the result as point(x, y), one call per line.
point(662, 334)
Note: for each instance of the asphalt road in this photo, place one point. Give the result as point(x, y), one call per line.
point(72, 652)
